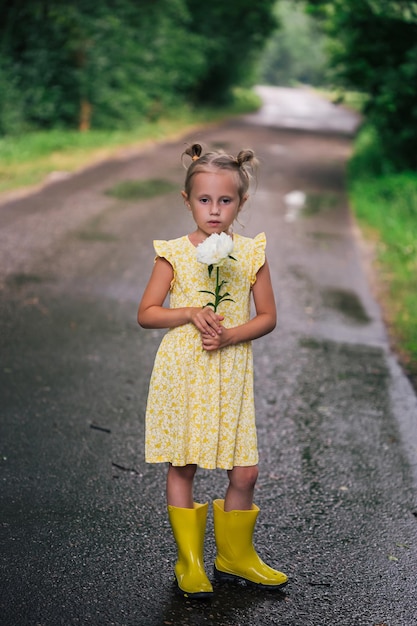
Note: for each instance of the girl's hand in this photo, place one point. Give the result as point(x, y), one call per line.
point(207, 321)
point(210, 342)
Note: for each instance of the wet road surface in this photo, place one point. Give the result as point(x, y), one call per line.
point(85, 537)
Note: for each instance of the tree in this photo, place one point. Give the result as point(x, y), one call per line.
point(374, 50)
point(112, 62)
point(296, 53)
point(108, 62)
point(233, 35)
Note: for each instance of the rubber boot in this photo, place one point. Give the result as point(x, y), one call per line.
point(189, 527)
point(236, 557)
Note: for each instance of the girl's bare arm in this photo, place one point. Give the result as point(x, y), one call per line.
point(152, 313)
point(263, 323)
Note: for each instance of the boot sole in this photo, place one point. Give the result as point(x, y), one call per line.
point(226, 577)
point(198, 595)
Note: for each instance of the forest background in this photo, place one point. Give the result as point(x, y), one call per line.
point(81, 79)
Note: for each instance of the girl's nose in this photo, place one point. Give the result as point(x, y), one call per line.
point(215, 209)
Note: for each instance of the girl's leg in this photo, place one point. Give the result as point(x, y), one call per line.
point(239, 494)
point(180, 486)
point(188, 523)
point(234, 523)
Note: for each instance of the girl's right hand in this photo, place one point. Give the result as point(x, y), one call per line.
point(206, 321)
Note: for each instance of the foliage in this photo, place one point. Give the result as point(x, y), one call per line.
point(233, 34)
point(100, 63)
point(11, 109)
point(374, 50)
point(296, 53)
point(385, 203)
point(108, 64)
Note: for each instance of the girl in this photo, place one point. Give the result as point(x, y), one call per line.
point(200, 409)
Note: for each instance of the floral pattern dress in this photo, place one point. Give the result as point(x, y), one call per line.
point(200, 406)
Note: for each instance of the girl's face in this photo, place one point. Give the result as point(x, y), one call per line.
point(214, 201)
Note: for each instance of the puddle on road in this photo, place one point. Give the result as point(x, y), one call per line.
point(91, 235)
point(93, 231)
point(320, 236)
point(299, 272)
point(22, 279)
point(317, 203)
point(124, 190)
point(343, 301)
point(220, 145)
point(346, 302)
point(141, 189)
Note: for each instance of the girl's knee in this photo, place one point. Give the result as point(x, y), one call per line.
point(244, 478)
point(184, 472)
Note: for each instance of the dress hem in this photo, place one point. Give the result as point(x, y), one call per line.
point(208, 467)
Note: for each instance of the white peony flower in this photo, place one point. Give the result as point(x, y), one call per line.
point(215, 249)
point(213, 252)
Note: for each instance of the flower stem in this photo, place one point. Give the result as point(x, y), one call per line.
point(217, 299)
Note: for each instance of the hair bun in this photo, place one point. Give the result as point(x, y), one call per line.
point(194, 151)
point(246, 156)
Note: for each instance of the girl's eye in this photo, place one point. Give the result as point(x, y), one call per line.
point(204, 200)
point(226, 200)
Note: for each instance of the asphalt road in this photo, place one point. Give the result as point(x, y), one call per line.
point(85, 537)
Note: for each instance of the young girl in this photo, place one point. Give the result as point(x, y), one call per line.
point(200, 409)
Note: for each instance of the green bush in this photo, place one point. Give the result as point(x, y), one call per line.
point(385, 203)
point(374, 51)
point(109, 64)
point(12, 120)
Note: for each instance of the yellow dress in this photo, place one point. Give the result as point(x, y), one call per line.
point(200, 405)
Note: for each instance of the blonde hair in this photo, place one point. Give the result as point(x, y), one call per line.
point(244, 165)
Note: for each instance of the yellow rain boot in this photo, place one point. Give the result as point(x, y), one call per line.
point(189, 527)
point(236, 557)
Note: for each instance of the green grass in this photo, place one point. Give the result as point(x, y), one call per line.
point(385, 204)
point(25, 161)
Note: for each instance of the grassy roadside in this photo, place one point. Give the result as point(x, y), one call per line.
point(27, 160)
point(385, 205)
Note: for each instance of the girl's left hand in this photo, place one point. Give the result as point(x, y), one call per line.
point(210, 342)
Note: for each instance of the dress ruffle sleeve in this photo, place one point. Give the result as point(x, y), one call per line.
point(258, 259)
point(163, 249)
